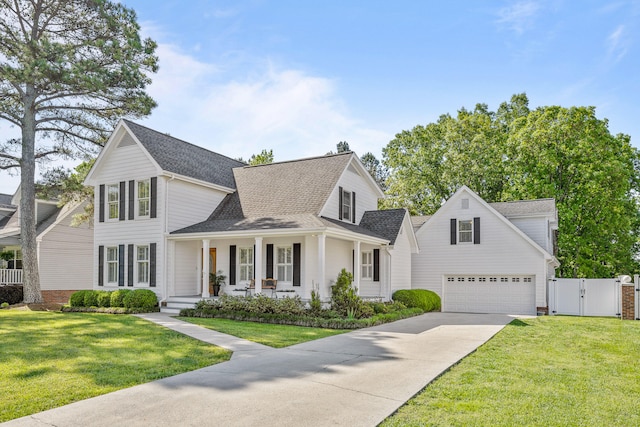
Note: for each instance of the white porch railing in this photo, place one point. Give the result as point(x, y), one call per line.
point(10, 277)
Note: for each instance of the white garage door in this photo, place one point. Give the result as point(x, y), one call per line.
point(489, 294)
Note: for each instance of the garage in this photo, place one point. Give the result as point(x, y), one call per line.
point(510, 294)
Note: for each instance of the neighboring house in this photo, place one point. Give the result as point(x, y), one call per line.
point(161, 203)
point(64, 252)
point(487, 257)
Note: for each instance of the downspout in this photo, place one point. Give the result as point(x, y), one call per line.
point(388, 272)
point(165, 286)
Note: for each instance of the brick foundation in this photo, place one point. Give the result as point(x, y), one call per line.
point(628, 302)
point(61, 297)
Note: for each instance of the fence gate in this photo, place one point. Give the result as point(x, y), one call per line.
point(585, 297)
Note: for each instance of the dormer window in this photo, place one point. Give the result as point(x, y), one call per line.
point(465, 231)
point(346, 205)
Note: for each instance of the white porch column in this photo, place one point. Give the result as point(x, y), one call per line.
point(321, 263)
point(356, 265)
point(205, 269)
point(257, 268)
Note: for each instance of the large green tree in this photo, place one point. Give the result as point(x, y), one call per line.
point(69, 69)
point(517, 153)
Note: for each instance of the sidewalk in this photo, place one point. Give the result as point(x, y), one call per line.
point(354, 379)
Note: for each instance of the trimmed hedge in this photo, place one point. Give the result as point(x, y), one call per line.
point(128, 300)
point(11, 294)
point(421, 298)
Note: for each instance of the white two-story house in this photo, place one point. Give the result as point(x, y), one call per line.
point(169, 213)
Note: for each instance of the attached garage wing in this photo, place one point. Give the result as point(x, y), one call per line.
point(508, 294)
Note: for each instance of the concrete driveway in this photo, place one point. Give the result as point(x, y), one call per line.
point(353, 379)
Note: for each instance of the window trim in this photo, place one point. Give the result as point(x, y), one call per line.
point(288, 266)
point(247, 264)
point(142, 262)
point(115, 202)
point(366, 265)
point(346, 205)
point(109, 262)
point(141, 199)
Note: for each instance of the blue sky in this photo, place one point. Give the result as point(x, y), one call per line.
point(299, 76)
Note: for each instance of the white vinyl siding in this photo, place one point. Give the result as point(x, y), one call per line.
point(144, 198)
point(113, 201)
point(284, 264)
point(190, 203)
point(366, 197)
point(245, 264)
point(142, 265)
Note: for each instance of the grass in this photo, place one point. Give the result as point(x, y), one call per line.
point(277, 336)
point(50, 359)
point(558, 371)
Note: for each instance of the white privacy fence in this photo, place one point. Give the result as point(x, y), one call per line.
point(586, 297)
point(10, 276)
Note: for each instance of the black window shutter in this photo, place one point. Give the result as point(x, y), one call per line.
point(296, 264)
point(123, 189)
point(339, 202)
point(130, 265)
point(132, 194)
point(154, 197)
point(101, 264)
point(101, 206)
point(353, 207)
point(476, 231)
point(270, 261)
point(152, 265)
point(454, 231)
point(376, 265)
point(232, 265)
point(120, 265)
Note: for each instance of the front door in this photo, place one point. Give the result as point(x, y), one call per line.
point(212, 266)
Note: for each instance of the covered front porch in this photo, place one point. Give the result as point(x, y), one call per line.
point(278, 264)
point(10, 265)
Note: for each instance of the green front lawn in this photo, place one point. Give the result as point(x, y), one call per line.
point(277, 336)
point(559, 371)
point(50, 359)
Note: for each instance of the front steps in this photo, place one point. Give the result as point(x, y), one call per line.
point(173, 305)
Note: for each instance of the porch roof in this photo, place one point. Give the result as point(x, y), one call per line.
point(299, 222)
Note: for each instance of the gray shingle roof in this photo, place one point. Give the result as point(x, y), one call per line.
point(525, 207)
point(183, 158)
point(386, 223)
point(294, 187)
point(418, 220)
point(5, 199)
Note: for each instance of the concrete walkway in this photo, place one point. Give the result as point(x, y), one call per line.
point(353, 379)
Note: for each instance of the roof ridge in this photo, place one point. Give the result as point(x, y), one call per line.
point(300, 160)
point(182, 140)
point(525, 200)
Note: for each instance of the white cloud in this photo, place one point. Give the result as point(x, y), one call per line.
point(287, 110)
point(617, 43)
point(519, 17)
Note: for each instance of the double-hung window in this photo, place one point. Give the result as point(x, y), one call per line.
point(367, 265)
point(112, 265)
point(143, 264)
point(284, 264)
point(144, 197)
point(246, 264)
point(113, 200)
point(465, 231)
point(346, 205)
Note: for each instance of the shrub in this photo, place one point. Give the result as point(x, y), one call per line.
point(77, 298)
point(4, 305)
point(11, 294)
point(91, 298)
point(117, 297)
point(104, 298)
point(315, 305)
point(345, 299)
point(258, 304)
point(141, 298)
point(421, 298)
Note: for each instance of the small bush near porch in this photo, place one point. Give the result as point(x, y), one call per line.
point(50, 359)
